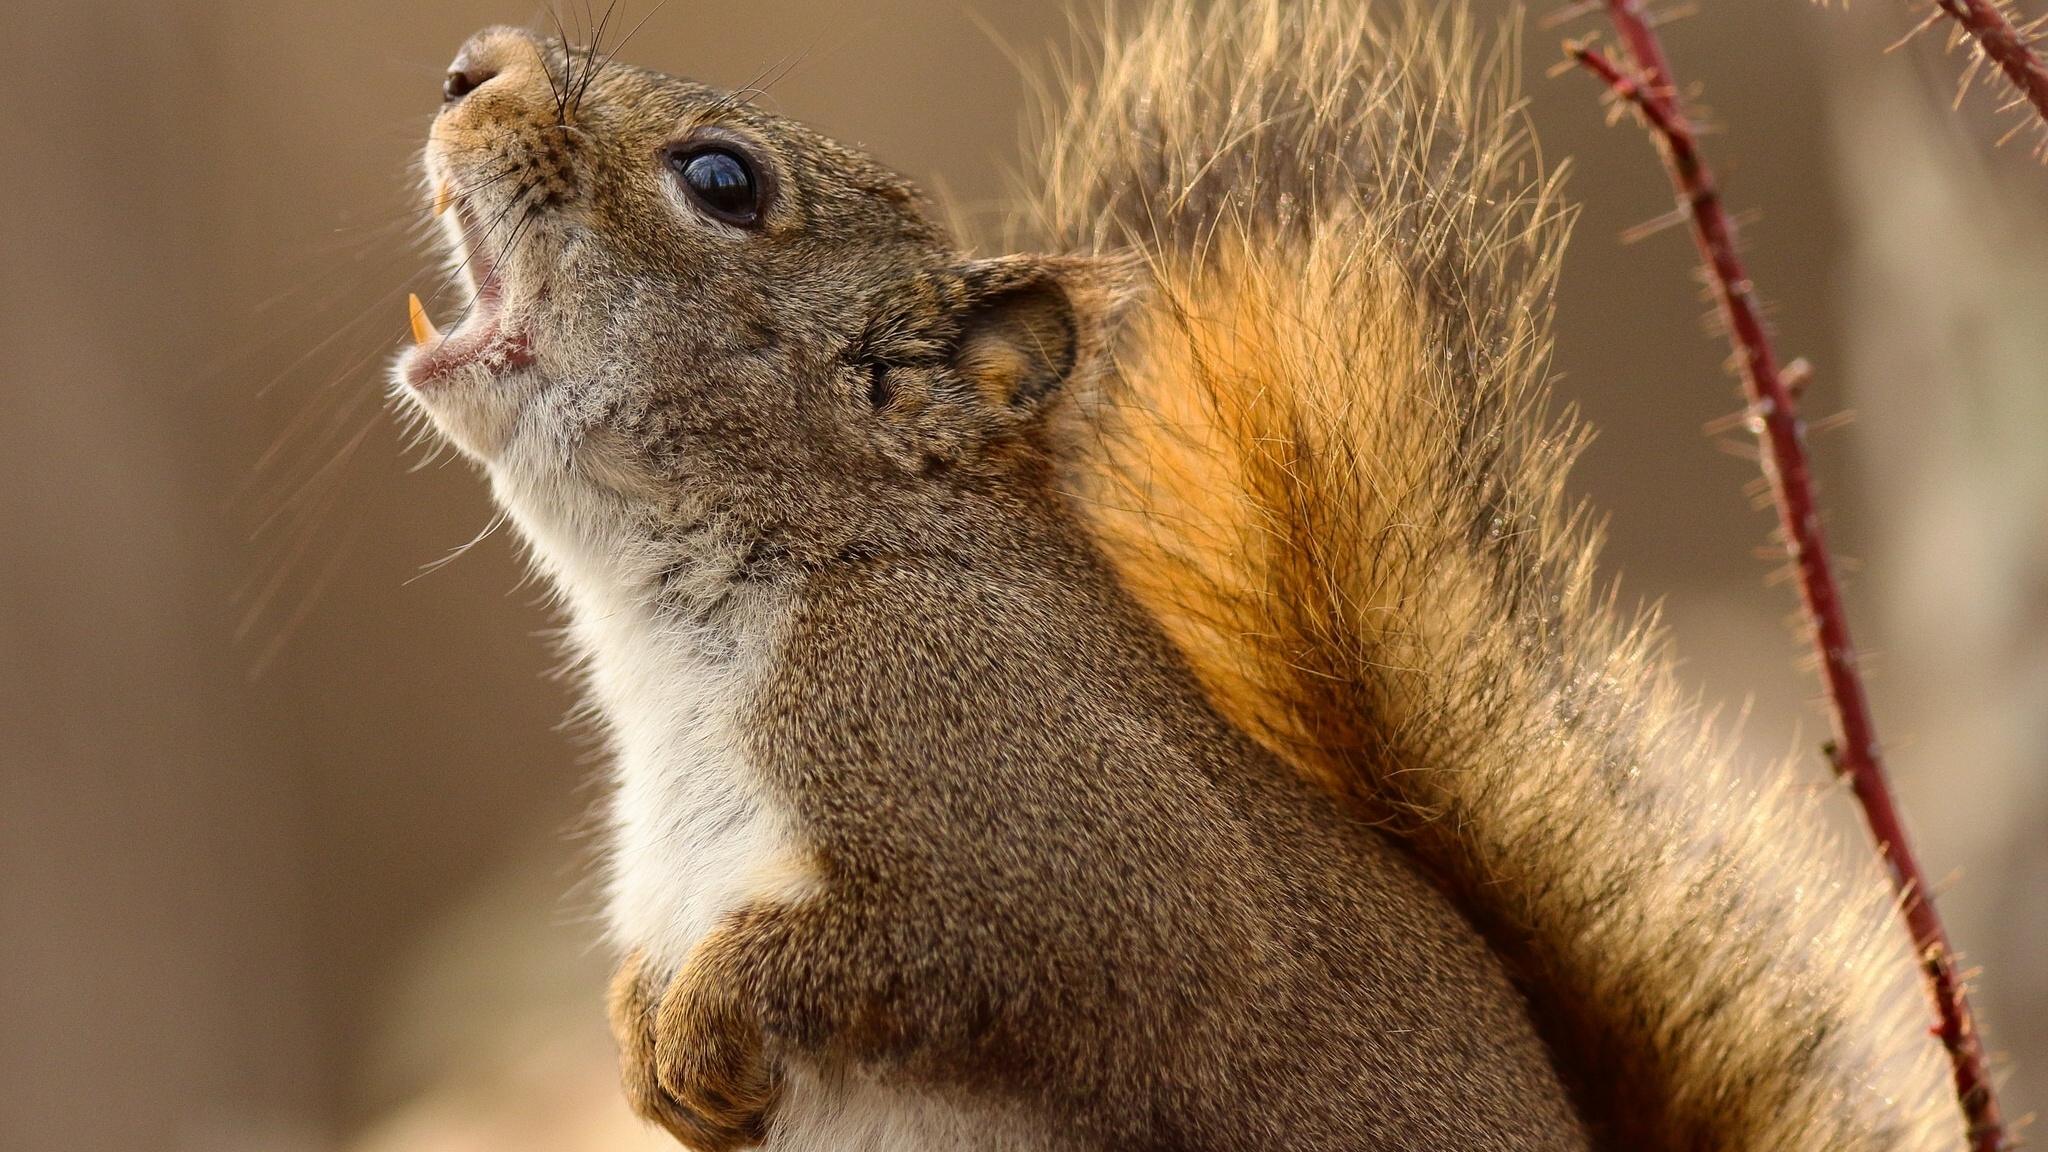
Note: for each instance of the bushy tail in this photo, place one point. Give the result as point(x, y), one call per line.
point(1328, 465)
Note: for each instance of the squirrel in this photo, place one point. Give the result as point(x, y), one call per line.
point(1151, 694)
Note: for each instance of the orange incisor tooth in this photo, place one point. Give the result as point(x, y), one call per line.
point(423, 330)
point(441, 197)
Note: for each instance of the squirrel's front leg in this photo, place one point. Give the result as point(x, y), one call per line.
point(693, 1056)
point(695, 1045)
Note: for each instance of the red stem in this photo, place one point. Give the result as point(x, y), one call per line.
point(2006, 46)
point(1774, 412)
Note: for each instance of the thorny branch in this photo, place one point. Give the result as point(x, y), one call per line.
point(1643, 81)
point(2008, 47)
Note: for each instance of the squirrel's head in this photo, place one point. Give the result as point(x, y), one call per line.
point(682, 311)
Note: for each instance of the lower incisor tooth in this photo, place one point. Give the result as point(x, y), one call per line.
point(423, 329)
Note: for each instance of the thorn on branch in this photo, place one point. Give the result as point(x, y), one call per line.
point(1656, 224)
point(1932, 19)
point(1722, 425)
point(1987, 27)
point(1671, 15)
point(1827, 424)
point(1569, 13)
point(1796, 376)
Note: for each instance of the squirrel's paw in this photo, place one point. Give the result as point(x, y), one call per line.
point(693, 1062)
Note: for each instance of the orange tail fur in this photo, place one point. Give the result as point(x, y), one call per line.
point(1329, 465)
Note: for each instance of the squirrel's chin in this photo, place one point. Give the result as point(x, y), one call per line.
point(472, 396)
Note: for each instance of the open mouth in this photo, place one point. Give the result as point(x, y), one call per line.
point(478, 340)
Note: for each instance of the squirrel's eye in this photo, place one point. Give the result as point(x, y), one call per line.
point(721, 181)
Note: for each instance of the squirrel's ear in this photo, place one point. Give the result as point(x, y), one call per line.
point(1029, 324)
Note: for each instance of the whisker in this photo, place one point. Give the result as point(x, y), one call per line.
point(383, 301)
point(300, 423)
point(317, 498)
point(289, 508)
point(471, 251)
point(568, 60)
point(296, 543)
point(275, 646)
point(408, 215)
point(434, 566)
point(628, 37)
point(765, 79)
point(511, 239)
point(591, 64)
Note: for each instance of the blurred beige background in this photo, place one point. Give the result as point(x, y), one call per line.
point(290, 839)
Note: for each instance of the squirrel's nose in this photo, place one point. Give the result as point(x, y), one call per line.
point(462, 81)
point(486, 55)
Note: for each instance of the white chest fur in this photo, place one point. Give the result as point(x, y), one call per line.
point(694, 833)
point(859, 1115)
